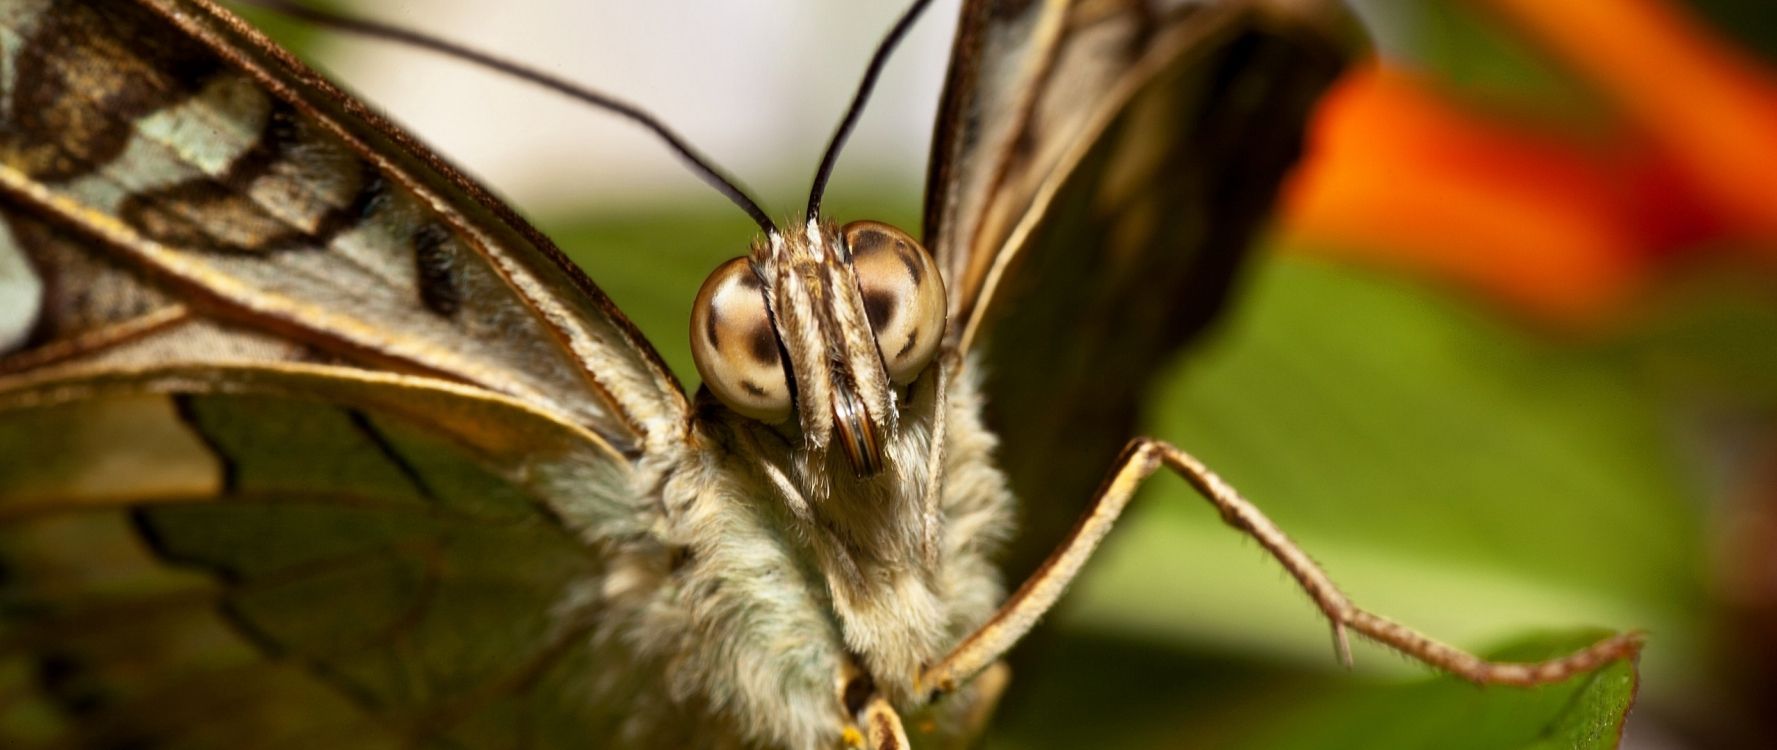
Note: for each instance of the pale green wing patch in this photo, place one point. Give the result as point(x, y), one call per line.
point(318, 561)
point(21, 294)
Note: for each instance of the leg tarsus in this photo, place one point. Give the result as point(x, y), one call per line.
point(1240, 513)
point(882, 726)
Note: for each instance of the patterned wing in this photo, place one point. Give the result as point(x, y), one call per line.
point(1100, 169)
point(304, 440)
point(301, 557)
point(185, 149)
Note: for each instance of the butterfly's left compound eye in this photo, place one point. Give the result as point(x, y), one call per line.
point(903, 296)
point(734, 346)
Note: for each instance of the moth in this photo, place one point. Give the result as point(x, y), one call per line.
point(309, 441)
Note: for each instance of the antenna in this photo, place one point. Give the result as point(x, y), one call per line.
point(701, 165)
point(877, 62)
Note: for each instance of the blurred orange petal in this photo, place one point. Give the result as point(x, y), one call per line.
point(1398, 175)
point(1710, 108)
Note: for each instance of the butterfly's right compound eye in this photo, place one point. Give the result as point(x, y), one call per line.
point(734, 346)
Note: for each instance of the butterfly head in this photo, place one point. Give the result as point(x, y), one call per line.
point(824, 325)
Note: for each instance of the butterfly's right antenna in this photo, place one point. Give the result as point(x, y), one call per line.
point(830, 157)
point(700, 164)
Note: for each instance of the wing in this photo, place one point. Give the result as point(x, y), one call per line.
point(304, 440)
point(186, 150)
point(1100, 170)
point(305, 557)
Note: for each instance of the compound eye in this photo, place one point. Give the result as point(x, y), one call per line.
point(734, 346)
point(903, 296)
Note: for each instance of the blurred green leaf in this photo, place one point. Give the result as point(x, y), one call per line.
point(1447, 470)
point(651, 264)
point(1203, 701)
point(1707, 341)
point(1583, 713)
point(1479, 58)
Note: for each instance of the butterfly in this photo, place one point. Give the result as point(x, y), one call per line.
point(310, 441)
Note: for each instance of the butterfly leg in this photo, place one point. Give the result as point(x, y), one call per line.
point(934, 491)
point(1141, 459)
point(882, 729)
point(989, 686)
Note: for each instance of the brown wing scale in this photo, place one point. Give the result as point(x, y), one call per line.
point(1093, 223)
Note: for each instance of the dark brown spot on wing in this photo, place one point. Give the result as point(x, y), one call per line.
point(435, 261)
point(83, 76)
point(221, 214)
point(372, 195)
point(281, 132)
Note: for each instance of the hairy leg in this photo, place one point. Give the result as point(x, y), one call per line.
point(1141, 459)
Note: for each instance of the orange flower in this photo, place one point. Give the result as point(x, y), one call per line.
point(1712, 109)
point(1567, 228)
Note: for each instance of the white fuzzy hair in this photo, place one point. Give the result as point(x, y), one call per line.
point(732, 623)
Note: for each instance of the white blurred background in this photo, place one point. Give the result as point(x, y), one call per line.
point(758, 85)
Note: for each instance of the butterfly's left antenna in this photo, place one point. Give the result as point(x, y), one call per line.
point(877, 61)
point(700, 164)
